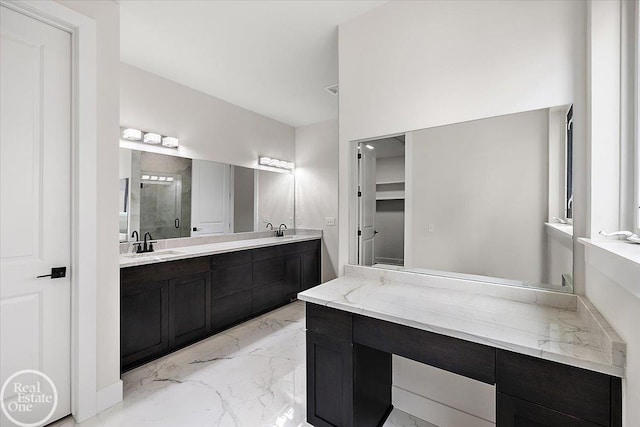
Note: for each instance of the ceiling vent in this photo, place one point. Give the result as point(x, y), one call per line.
point(332, 89)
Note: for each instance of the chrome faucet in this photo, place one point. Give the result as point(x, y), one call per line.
point(280, 232)
point(269, 225)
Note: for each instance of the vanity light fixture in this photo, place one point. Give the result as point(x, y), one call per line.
point(153, 178)
point(152, 138)
point(162, 178)
point(170, 141)
point(275, 163)
point(169, 178)
point(132, 134)
point(144, 177)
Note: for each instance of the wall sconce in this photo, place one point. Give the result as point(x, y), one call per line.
point(137, 135)
point(275, 163)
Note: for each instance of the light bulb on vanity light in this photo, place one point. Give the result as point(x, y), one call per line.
point(170, 141)
point(264, 161)
point(132, 134)
point(152, 138)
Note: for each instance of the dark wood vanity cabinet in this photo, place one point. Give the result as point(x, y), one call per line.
point(169, 305)
point(349, 375)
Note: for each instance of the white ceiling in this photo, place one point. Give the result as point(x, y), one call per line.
point(271, 57)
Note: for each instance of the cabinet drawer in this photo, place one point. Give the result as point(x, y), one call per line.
point(268, 271)
point(577, 392)
point(514, 412)
point(296, 248)
point(231, 280)
point(268, 297)
point(465, 358)
point(164, 270)
point(229, 259)
point(230, 310)
point(267, 253)
point(330, 322)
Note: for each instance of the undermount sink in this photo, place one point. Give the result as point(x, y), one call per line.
point(153, 254)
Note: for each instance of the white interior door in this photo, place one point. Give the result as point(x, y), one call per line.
point(210, 212)
point(366, 205)
point(35, 204)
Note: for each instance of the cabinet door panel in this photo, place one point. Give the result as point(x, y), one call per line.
point(268, 297)
point(329, 382)
point(144, 320)
point(231, 280)
point(292, 276)
point(310, 269)
point(190, 308)
point(514, 412)
point(232, 309)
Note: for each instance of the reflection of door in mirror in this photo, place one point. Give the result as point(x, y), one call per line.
point(381, 202)
point(210, 212)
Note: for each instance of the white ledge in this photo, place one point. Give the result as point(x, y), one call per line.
point(616, 259)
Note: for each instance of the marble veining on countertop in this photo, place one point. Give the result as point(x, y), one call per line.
point(172, 252)
point(554, 326)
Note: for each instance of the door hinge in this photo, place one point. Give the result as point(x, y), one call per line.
point(359, 156)
point(359, 193)
point(359, 232)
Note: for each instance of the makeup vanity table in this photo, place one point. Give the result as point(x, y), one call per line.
point(552, 357)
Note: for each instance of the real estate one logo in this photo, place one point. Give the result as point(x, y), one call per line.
point(28, 398)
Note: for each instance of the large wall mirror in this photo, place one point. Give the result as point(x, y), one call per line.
point(172, 197)
point(487, 200)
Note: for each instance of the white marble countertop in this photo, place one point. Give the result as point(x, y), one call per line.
point(184, 252)
point(560, 327)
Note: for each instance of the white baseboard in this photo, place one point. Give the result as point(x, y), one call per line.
point(434, 412)
point(109, 396)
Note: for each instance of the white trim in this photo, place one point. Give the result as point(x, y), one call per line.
point(616, 259)
point(352, 231)
point(434, 412)
point(84, 200)
point(636, 124)
point(109, 396)
point(408, 200)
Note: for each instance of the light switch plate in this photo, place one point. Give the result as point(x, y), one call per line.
point(330, 221)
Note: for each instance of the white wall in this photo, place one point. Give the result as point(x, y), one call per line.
point(209, 128)
point(483, 185)
point(107, 17)
point(275, 199)
point(439, 62)
point(317, 187)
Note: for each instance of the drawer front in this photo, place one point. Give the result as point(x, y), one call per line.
point(514, 412)
point(330, 322)
point(296, 248)
point(269, 252)
point(164, 270)
point(231, 258)
point(465, 358)
point(232, 309)
point(578, 392)
point(268, 297)
point(268, 271)
point(231, 280)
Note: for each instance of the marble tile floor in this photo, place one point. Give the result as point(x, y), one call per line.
point(252, 375)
